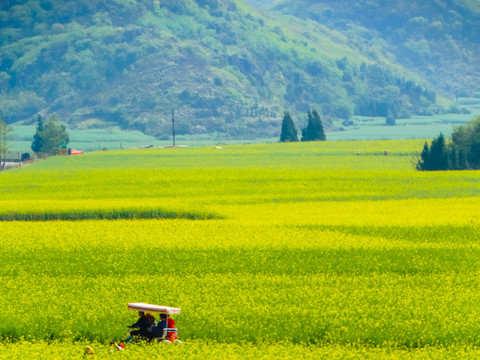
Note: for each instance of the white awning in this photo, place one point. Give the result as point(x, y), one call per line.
point(153, 308)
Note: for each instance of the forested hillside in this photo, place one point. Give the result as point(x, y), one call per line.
point(221, 65)
point(438, 39)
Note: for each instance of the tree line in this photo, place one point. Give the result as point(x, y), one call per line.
point(313, 132)
point(461, 152)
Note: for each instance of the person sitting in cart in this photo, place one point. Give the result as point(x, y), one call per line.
point(165, 322)
point(143, 324)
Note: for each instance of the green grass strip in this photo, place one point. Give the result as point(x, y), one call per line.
point(128, 214)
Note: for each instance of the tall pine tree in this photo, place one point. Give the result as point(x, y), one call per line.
point(289, 132)
point(37, 138)
point(3, 143)
point(314, 130)
point(424, 162)
point(438, 154)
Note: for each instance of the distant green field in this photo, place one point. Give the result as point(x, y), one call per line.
point(88, 140)
point(115, 139)
point(416, 127)
point(365, 128)
point(311, 251)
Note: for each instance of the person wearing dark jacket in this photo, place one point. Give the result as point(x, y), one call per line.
point(142, 324)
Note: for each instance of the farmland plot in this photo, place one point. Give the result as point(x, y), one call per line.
point(303, 250)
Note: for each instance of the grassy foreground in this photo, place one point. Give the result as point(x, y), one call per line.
point(308, 251)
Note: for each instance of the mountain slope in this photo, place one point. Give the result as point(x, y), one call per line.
point(439, 39)
point(219, 64)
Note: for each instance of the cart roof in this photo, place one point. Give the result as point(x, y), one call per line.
point(153, 308)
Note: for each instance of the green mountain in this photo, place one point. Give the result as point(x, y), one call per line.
point(221, 65)
point(438, 40)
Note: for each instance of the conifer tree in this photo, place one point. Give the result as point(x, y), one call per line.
point(289, 132)
point(424, 163)
point(3, 143)
point(314, 130)
point(438, 154)
point(37, 138)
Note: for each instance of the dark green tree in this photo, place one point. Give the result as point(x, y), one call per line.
point(435, 157)
point(289, 132)
point(37, 138)
point(3, 143)
point(314, 130)
point(453, 158)
point(424, 162)
point(390, 120)
point(474, 154)
point(50, 136)
point(463, 160)
point(438, 154)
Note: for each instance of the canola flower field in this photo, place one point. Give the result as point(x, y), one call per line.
point(272, 251)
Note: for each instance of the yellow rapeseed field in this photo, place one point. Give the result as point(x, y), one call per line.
point(286, 251)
